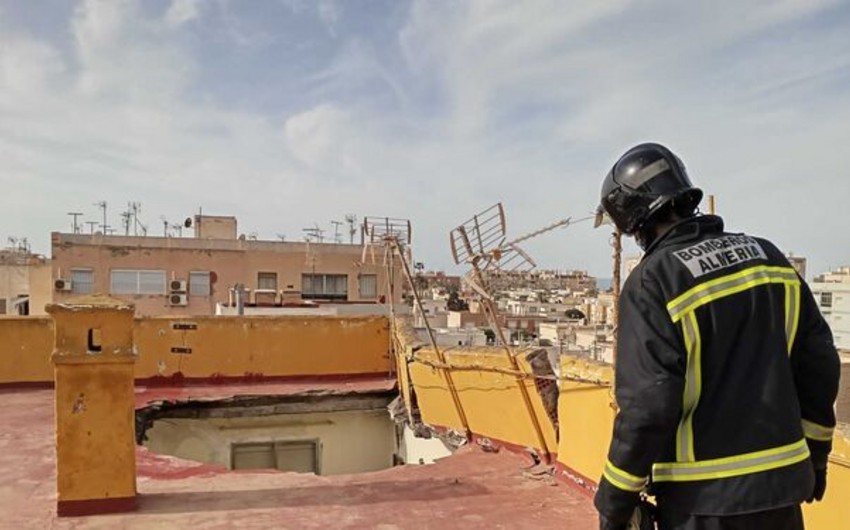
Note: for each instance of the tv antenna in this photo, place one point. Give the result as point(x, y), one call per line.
point(19, 244)
point(314, 234)
point(91, 224)
point(103, 226)
point(126, 217)
point(394, 236)
point(481, 243)
point(337, 236)
point(351, 219)
point(133, 209)
point(75, 225)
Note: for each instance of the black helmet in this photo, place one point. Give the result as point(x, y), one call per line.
point(642, 181)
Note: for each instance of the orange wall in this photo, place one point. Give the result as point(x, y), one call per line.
point(221, 346)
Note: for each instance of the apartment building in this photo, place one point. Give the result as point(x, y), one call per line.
point(191, 275)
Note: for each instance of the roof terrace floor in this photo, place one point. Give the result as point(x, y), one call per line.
point(471, 489)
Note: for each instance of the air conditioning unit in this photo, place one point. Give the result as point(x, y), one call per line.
point(61, 284)
point(177, 286)
point(178, 299)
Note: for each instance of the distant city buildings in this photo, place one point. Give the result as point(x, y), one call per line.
point(832, 294)
point(216, 268)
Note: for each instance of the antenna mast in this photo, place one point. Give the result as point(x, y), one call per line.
point(351, 219)
point(76, 225)
point(337, 236)
point(103, 225)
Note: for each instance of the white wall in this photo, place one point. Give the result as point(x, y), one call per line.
point(838, 314)
point(350, 442)
point(415, 450)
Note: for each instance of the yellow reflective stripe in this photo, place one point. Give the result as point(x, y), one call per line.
point(623, 479)
point(731, 466)
point(728, 285)
point(692, 391)
point(815, 431)
point(792, 313)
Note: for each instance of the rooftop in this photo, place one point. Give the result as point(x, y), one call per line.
point(471, 489)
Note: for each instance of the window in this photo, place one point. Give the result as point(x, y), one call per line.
point(199, 283)
point(267, 280)
point(137, 282)
point(368, 286)
point(826, 299)
point(324, 286)
point(301, 456)
point(82, 281)
point(2, 306)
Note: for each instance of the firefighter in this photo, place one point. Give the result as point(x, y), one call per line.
point(726, 371)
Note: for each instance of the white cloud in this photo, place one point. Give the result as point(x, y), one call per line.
point(522, 102)
point(181, 12)
point(322, 138)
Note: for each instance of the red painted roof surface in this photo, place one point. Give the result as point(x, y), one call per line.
point(471, 489)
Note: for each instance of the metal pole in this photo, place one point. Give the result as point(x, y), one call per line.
point(492, 314)
point(617, 243)
point(442, 358)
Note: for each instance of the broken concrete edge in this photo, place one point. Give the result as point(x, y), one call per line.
point(562, 472)
point(178, 380)
point(574, 367)
point(95, 302)
point(308, 401)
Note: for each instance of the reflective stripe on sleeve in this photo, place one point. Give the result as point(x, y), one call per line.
point(792, 312)
point(731, 466)
point(815, 431)
point(728, 285)
point(622, 479)
point(692, 391)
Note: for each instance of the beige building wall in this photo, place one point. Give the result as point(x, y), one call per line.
point(349, 442)
point(229, 261)
point(215, 227)
point(40, 288)
point(20, 277)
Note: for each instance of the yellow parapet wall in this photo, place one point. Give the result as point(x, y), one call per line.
point(263, 346)
point(586, 417)
point(489, 394)
point(218, 347)
point(25, 347)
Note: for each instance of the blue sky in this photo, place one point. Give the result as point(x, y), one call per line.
point(288, 113)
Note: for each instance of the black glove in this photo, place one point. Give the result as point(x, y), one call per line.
point(820, 486)
point(607, 524)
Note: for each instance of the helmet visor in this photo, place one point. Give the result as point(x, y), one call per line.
point(627, 209)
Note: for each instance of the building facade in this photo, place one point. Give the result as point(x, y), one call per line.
point(191, 275)
point(23, 287)
point(832, 294)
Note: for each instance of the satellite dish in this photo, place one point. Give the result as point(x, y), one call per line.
point(188, 222)
point(241, 237)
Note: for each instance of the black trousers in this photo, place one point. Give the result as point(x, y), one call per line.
point(788, 518)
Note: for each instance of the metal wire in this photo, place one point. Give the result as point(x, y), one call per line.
point(507, 371)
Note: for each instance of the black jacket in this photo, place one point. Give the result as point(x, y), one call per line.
point(724, 360)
